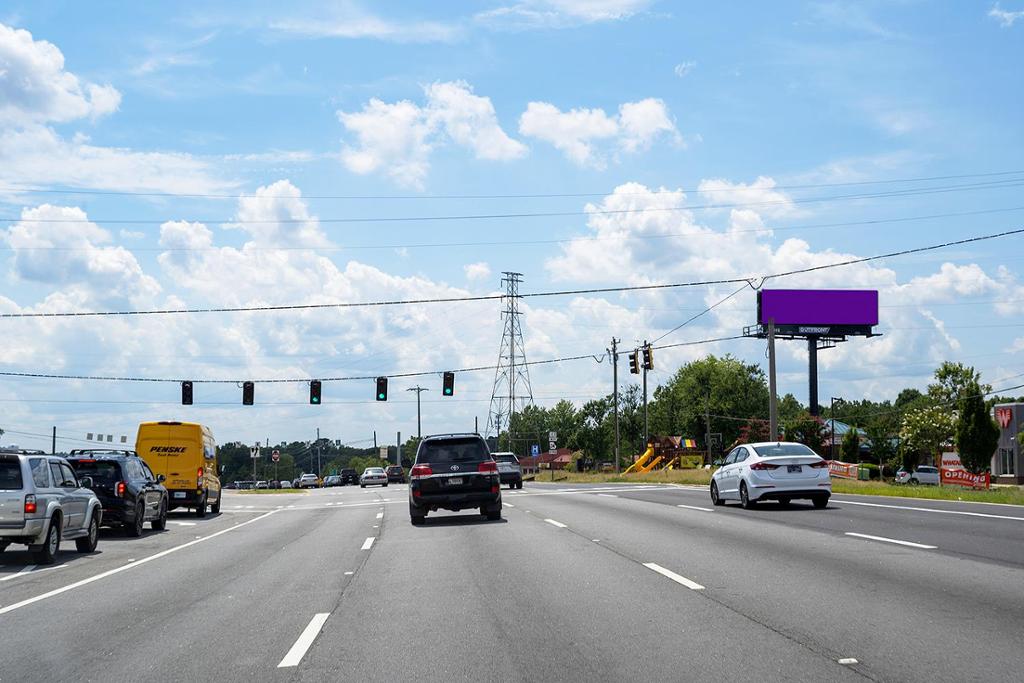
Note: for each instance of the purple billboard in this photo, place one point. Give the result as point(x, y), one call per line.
point(841, 308)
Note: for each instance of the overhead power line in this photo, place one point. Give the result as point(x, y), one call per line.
point(490, 297)
point(998, 184)
point(19, 187)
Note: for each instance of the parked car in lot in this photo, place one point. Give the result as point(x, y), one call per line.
point(295, 482)
point(396, 474)
point(332, 480)
point(308, 481)
point(922, 474)
point(454, 472)
point(262, 484)
point(779, 471)
point(373, 476)
point(42, 503)
point(129, 492)
point(509, 470)
point(246, 485)
point(349, 476)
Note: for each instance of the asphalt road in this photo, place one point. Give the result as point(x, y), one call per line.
point(581, 583)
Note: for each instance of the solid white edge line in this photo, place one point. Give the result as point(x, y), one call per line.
point(681, 580)
point(694, 507)
point(893, 540)
point(607, 495)
point(133, 563)
point(25, 570)
point(554, 523)
point(919, 509)
point(305, 640)
point(368, 543)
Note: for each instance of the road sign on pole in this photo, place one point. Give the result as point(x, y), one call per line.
point(535, 449)
point(552, 445)
point(276, 456)
point(254, 452)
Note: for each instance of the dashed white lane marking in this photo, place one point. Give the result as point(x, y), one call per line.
point(554, 523)
point(892, 540)
point(26, 570)
point(349, 573)
point(694, 507)
point(184, 523)
point(607, 495)
point(596, 540)
point(368, 543)
point(920, 509)
point(508, 505)
point(681, 580)
point(380, 515)
point(306, 639)
point(848, 661)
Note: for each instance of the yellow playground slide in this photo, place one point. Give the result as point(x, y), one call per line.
point(638, 465)
point(651, 465)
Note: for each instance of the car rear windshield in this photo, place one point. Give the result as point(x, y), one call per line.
point(782, 449)
point(100, 471)
point(925, 468)
point(452, 450)
point(508, 457)
point(10, 475)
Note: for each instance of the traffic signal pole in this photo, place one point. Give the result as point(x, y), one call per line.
point(615, 393)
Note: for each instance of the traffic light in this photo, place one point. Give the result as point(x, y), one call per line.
point(634, 368)
point(648, 357)
point(448, 388)
point(314, 392)
point(382, 388)
point(186, 393)
point(248, 389)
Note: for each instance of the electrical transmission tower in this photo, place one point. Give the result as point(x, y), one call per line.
point(512, 390)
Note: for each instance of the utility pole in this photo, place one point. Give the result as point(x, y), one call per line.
point(398, 450)
point(476, 425)
point(773, 408)
point(53, 443)
point(647, 436)
point(374, 439)
point(318, 452)
point(707, 423)
point(419, 390)
point(615, 394)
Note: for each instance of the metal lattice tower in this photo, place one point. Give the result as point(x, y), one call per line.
point(512, 390)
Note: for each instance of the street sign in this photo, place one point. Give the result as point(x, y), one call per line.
point(552, 436)
point(254, 452)
point(383, 452)
point(276, 455)
point(535, 449)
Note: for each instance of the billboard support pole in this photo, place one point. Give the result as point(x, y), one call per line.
point(812, 375)
point(773, 409)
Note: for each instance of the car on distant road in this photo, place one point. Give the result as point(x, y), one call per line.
point(308, 481)
point(42, 502)
point(295, 482)
point(509, 470)
point(396, 475)
point(262, 484)
point(922, 474)
point(332, 480)
point(349, 476)
point(779, 471)
point(373, 476)
point(246, 485)
point(129, 492)
point(454, 472)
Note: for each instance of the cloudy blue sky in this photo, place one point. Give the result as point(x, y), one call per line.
point(726, 141)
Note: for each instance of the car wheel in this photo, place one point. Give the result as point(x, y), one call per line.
point(519, 485)
point(201, 507)
point(160, 523)
point(913, 482)
point(494, 516)
point(47, 552)
point(820, 502)
point(716, 499)
point(745, 497)
point(215, 508)
point(134, 527)
point(3, 546)
point(362, 486)
point(88, 543)
point(385, 485)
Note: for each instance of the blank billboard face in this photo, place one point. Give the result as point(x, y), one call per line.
point(818, 306)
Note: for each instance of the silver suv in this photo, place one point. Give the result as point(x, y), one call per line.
point(42, 502)
point(509, 470)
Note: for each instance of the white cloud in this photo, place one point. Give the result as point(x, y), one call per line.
point(683, 69)
point(577, 132)
point(351, 22)
point(560, 13)
point(35, 88)
point(760, 196)
point(477, 271)
point(399, 138)
point(1005, 18)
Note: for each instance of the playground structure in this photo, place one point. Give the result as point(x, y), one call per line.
point(668, 453)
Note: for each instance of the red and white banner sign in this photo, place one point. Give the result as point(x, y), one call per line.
point(1004, 416)
point(951, 460)
point(843, 470)
point(954, 476)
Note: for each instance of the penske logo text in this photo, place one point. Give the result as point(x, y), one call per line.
point(167, 449)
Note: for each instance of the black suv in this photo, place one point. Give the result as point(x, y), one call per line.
point(396, 475)
point(349, 476)
point(128, 491)
point(454, 472)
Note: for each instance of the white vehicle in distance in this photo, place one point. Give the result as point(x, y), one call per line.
point(373, 476)
point(922, 474)
point(262, 485)
point(309, 481)
point(779, 471)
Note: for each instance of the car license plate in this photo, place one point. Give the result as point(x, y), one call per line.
point(455, 481)
point(793, 468)
point(179, 494)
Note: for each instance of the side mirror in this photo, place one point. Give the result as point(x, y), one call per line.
point(160, 478)
point(85, 482)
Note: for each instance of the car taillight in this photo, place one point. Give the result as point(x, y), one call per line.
point(199, 478)
point(487, 466)
point(763, 466)
point(30, 504)
point(420, 471)
point(119, 489)
point(821, 464)
point(494, 489)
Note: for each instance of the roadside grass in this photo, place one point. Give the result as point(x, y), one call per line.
point(1010, 495)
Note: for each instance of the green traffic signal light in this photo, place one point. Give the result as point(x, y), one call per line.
point(381, 396)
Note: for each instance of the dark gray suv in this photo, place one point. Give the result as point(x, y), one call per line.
point(454, 472)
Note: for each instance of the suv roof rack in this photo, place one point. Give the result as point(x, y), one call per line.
point(103, 451)
point(21, 451)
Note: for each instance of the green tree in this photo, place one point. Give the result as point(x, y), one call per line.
point(955, 381)
point(923, 432)
point(808, 430)
point(788, 408)
point(850, 447)
point(977, 436)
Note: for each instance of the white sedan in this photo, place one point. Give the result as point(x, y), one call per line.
point(779, 471)
point(373, 476)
